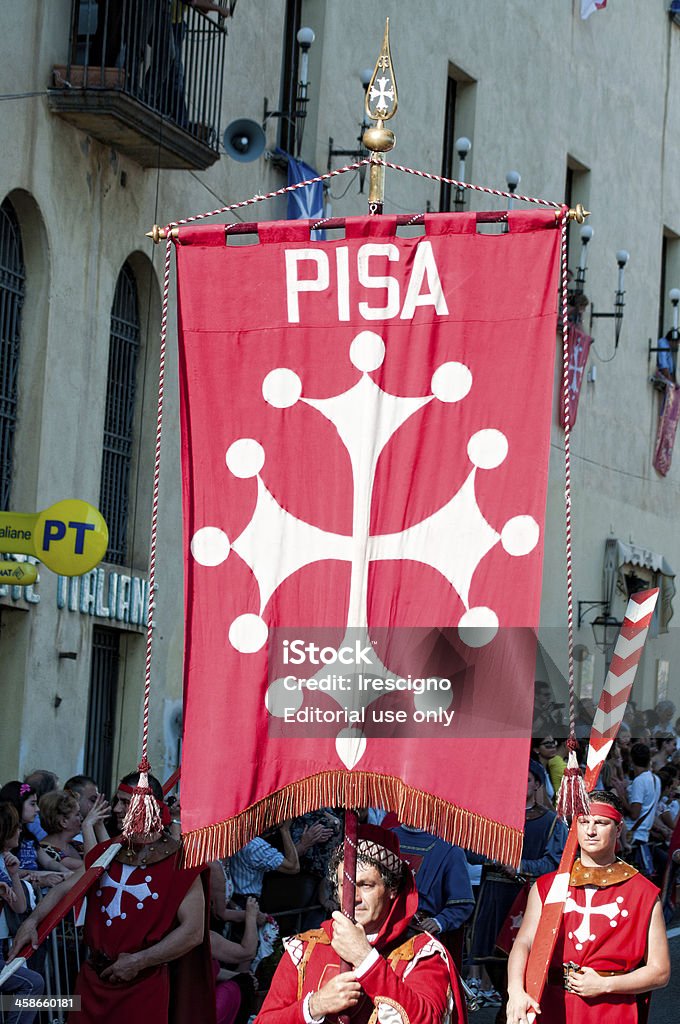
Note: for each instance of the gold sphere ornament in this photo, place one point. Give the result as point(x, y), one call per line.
point(379, 140)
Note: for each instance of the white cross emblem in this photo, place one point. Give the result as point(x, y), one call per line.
point(609, 910)
point(576, 368)
point(382, 94)
point(139, 892)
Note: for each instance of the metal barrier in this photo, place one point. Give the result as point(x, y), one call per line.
point(62, 957)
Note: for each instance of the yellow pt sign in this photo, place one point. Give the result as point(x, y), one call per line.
point(70, 538)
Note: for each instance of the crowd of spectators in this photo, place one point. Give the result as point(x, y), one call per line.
point(278, 883)
point(45, 832)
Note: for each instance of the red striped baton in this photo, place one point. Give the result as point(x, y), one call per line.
point(606, 723)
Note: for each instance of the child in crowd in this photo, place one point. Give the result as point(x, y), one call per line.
point(10, 868)
point(36, 864)
point(23, 982)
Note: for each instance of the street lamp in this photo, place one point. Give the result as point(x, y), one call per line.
point(513, 179)
point(674, 296)
point(296, 117)
point(463, 147)
point(360, 151)
point(622, 258)
point(668, 344)
point(305, 38)
point(586, 235)
point(605, 628)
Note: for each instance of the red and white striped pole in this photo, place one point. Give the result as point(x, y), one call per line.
point(606, 723)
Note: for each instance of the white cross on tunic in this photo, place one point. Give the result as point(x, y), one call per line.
point(138, 892)
point(584, 931)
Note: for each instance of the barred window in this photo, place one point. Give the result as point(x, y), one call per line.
point(289, 76)
point(448, 146)
point(101, 711)
point(114, 497)
point(12, 290)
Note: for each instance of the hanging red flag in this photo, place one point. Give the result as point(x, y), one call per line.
point(365, 435)
point(578, 348)
point(668, 425)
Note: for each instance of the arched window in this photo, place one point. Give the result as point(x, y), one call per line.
point(12, 290)
point(114, 498)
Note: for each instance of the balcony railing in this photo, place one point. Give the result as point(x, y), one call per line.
point(145, 77)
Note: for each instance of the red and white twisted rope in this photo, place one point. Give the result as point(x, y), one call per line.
point(475, 188)
point(353, 167)
point(154, 507)
point(567, 480)
point(269, 195)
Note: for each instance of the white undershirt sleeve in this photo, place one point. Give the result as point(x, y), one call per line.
point(366, 964)
point(307, 1013)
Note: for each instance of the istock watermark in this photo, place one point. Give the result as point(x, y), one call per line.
point(396, 682)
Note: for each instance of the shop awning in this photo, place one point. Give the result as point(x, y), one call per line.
point(618, 556)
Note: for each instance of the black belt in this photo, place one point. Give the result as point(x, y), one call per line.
point(98, 961)
point(561, 977)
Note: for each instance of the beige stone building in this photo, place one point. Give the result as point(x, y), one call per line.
point(114, 118)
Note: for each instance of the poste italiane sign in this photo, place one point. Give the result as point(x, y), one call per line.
point(70, 538)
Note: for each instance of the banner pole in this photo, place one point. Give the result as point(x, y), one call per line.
point(377, 140)
point(349, 880)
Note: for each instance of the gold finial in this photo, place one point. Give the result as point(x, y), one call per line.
point(578, 213)
point(158, 233)
point(381, 105)
point(381, 95)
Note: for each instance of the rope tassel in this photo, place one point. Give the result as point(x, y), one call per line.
point(572, 798)
point(143, 816)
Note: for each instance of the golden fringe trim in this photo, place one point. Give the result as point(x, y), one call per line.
point(351, 790)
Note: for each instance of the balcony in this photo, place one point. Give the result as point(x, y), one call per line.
point(145, 77)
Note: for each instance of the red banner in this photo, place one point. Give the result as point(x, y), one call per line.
point(668, 425)
point(578, 343)
point(365, 434)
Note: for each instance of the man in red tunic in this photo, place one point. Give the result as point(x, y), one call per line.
point(396, 974)
point(142, 913)
point(611, 949)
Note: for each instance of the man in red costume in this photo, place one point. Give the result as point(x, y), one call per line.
point(396, 973)
point(611, 950)
point(142, 913)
